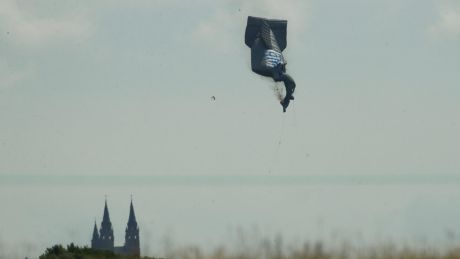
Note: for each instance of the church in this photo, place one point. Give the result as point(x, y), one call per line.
point(104, 239)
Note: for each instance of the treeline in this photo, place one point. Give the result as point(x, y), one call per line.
point(75, 252)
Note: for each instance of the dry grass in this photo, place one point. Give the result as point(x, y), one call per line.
point(270, 249)
point(315, 252)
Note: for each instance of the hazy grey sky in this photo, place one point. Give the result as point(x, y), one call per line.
point(118, 88)
point(115, 87)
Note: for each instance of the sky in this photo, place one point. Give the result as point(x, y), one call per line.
point(122, 90)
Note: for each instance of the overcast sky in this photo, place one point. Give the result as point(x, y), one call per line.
point(116, 87)
point(124, 88)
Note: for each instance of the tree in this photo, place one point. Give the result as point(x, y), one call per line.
point(75, 252)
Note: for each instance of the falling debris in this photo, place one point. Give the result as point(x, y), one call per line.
point(267, 40)
point(213, 98)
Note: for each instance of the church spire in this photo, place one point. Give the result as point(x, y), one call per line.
point(132, 217)
point(95, 239)
point(106, 217)
point(132, 233)
point(106, 231)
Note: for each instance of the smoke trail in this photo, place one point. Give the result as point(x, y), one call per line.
point(278, 90)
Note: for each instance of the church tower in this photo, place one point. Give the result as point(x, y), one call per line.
point(104, 239)
point(132, 234)
point(106, 231)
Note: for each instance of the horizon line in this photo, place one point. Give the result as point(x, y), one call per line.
point(267, 179)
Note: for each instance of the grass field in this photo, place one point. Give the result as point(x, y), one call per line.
point(269, 250)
